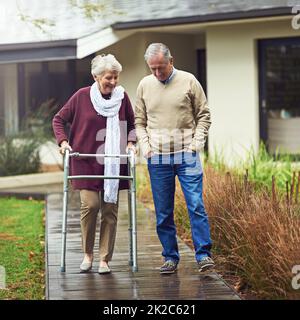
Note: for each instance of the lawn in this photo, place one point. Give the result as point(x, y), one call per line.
point(22, 248)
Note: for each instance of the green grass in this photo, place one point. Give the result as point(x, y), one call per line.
point(260, 167)
point(22, 248)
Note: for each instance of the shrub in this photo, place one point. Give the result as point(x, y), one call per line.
point(260, 166)
point(19, 155)
point(257, 232)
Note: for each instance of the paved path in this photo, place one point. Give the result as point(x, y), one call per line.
point(146, 284)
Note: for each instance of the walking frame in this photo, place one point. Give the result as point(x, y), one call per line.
point(131, 201)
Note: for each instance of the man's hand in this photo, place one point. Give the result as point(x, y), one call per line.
point(190, 149)
point(149, 154)
point(64, 146)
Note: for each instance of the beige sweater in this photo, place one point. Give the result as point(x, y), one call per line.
point(172, 117)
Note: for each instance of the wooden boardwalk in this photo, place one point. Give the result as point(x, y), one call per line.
point(122, 284)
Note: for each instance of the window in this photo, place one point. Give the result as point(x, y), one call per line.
point(280, 94)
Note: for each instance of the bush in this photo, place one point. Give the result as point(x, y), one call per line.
point(260, 166)
point(19, 155)
point(257, 233)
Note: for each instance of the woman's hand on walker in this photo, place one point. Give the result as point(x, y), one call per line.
point(64, 146)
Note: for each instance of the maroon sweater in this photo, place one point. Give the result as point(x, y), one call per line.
point(87, 135)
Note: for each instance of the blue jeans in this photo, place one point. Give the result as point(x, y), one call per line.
point(163, 170)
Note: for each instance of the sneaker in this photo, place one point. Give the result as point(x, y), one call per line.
point(87, 263)
point(169, 266)
point(104, 270)
point(205, 264)
point(86, 267)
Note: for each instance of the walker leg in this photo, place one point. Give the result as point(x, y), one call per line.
point(130, 262)
point(65, 210)
point(64, 233)
point(134, 233)
point(133, 214)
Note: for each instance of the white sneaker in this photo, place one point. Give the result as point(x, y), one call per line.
point(86, 266)
point(103, 270)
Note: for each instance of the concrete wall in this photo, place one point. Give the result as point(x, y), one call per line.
point(233, 87)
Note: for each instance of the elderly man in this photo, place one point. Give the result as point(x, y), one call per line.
point(172, 121)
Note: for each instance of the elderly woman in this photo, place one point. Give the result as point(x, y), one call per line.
point(101, 120)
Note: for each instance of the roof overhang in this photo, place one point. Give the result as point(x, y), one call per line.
point(99, 40)
point(61, 49)
point(38, 51)
point(216, 17)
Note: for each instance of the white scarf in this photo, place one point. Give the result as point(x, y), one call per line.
point(110, 109)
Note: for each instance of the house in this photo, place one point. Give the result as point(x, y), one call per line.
point(246, 54)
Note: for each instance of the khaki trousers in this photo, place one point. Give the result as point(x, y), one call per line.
point(91, 203)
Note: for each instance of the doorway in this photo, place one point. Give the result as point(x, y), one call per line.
point(201, 76)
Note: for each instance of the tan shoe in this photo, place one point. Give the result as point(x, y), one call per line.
point(86, 267)
point(103, 270)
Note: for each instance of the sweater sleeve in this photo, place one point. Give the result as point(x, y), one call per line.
point(201, 114)
point(130, 121)
point(141, 122)
point(65, 115)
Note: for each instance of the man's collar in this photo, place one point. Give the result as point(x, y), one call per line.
point(170, 77)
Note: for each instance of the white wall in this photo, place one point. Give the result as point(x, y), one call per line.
point(232, 81)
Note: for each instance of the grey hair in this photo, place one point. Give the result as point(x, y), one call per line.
point(103, 63)
point(155, 48)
